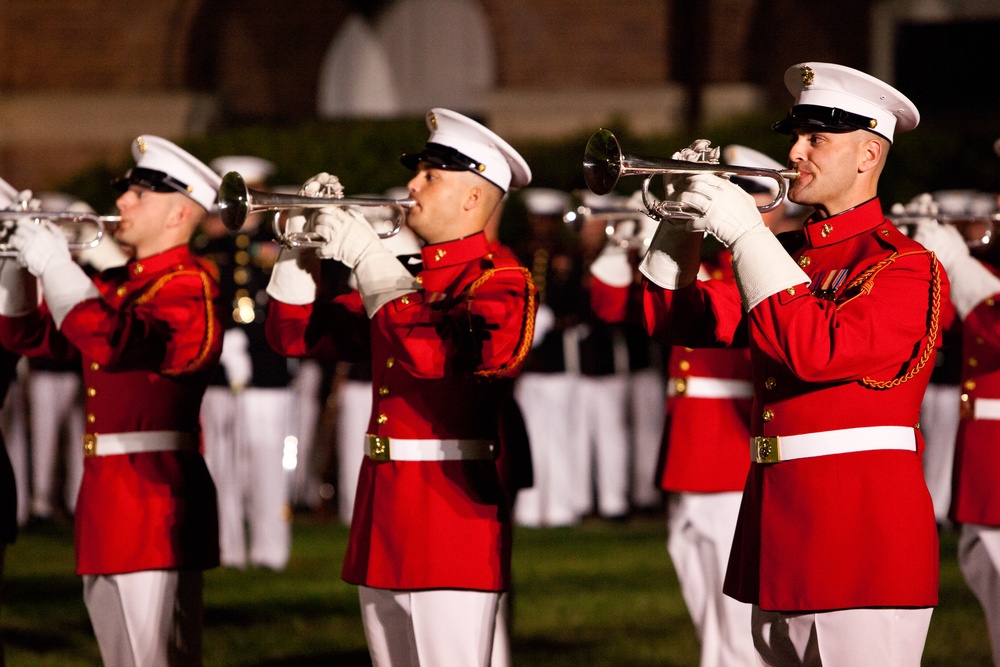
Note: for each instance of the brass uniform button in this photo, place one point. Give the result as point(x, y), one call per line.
point(405, 300)
point(121, 291)
point(804, 261)
point(382, 418)
point(684, 365)
point(91, 418)
point(94, 366)
point(791, 290)
point(969, 385)
point(973, 362)
point(770, 383)
point(139, 268)
point(768, 415)
point(91, 392)
point(383, 391)
point(390, 362)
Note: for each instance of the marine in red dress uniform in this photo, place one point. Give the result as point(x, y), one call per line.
point(430, 536)
point(148, 337)
point(975, 502)
point(836, 538)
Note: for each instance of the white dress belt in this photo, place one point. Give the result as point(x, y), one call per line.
point(427, 449)
point(699, 387)
point(135, 442)
point(775, 449)
point(986, 408)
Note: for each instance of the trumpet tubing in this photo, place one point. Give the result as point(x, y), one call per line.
point(977, 230)
point(604, 164)
point(65, 219)
point(237, 201)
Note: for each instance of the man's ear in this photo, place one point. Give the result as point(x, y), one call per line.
point(474, 197)
point(872, 151)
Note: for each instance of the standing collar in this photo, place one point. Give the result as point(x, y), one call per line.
point(177, 255)
point(852, 222)
point(451, 253)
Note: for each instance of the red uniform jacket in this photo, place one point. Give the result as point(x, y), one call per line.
point(147, 346)
point(845, 530)
point(442, 360)
point(976, 492)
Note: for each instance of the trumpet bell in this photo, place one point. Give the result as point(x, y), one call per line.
point(234, 201)
point(602, 162)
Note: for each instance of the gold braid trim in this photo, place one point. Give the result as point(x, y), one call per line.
point(528, 331)
point(210, 333)
point(866, 281)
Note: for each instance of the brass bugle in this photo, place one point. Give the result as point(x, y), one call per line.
point(604, 164)
point(237, 201)
point(976, 230)
point(100, 223)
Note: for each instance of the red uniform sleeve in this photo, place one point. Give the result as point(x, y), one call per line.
point(171, 327)
point(486, 329)
point(338, 330)
point(609, 303)
point(878, 329)
point(707, 313)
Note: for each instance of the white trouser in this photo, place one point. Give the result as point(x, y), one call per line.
point(151, 618)
point(244, 445)
point(857, 637)
point(354, 408)
point(548, 403)
point(55, 400)
point(502, 656)
point(939, 425)
point(979, 560)
point(647, 393)
point(700, 536)
point(15, 434)
point(598, 449)
point(434, 628)
point(305, 481)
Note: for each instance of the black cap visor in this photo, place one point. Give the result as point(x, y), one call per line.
point(150, 179)
point(441, 157)
point(823, 119)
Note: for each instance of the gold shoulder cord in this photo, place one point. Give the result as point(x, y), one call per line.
point(210, 333)
point(529, 320)
point(866, 281)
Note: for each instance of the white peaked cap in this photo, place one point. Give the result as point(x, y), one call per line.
point(8, 194)
point(253, 169)
point(835, 98)
point(545, 201)
point(458, 143)
point(162, 166)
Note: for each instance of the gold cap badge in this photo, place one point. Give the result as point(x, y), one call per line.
point(142, 144)
point(433, 120)
point(807, 75)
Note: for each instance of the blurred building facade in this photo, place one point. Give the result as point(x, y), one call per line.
point(80, 78)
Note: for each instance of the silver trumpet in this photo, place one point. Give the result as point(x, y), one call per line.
point(237, 201)
point(604, 163)
point(613, 219)
point(65, 219)
point(977, 230)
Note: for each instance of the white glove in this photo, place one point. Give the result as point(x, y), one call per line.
point(351, 240)
point(43, 250)
point(236, 358)
point(971, 282)
point(761, 264)
point(673, 257)
point(727, 211)
point(322, 185)
point(545, 321)
point(18, 289)
point(291, 281)
point(612, 266)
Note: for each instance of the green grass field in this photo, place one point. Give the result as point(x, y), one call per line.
point(596, 594)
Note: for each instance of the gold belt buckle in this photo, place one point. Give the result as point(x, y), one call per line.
point(90, 444)
point(378, 448)
point(680, 386)
point(766, 449)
